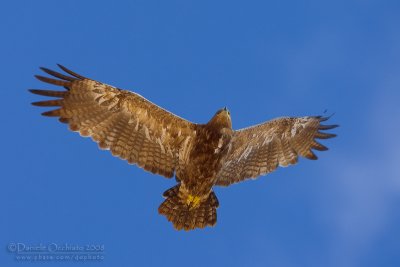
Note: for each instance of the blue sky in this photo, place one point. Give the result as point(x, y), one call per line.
point(261, 59)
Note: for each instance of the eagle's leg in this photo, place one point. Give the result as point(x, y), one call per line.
point(188, 211)
point(193, 202)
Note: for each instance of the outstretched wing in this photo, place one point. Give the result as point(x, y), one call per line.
point(260, 149)
point(124, 122)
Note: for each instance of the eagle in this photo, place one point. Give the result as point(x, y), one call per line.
point(200, 156)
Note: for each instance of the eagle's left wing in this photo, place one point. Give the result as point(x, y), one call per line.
point(124, 122)
point(260, 149)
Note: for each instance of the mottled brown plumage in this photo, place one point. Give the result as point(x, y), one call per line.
point(200, 155)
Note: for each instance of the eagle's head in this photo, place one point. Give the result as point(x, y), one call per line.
point(222, 119)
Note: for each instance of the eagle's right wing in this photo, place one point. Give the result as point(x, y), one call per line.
point(124, 122)
point(260, 149)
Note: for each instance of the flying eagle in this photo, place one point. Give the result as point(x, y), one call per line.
point(199, 155)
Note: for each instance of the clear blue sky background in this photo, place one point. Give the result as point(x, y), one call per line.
point(262, 59)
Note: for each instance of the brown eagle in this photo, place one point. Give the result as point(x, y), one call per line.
point(200, 155)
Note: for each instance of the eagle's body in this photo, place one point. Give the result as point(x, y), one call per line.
point(199, 155)
point(205, 158)
point(199, 174)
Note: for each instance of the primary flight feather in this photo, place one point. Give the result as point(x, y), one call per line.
point(199, 155)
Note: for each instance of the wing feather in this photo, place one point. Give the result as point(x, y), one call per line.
point(260, 149)
point(125, 123)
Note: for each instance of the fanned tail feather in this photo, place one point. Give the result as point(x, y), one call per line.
point(184, 217)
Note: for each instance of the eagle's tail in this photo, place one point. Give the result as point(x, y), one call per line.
point(186, 213)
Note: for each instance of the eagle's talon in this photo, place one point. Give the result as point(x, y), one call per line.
point(193, 202)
